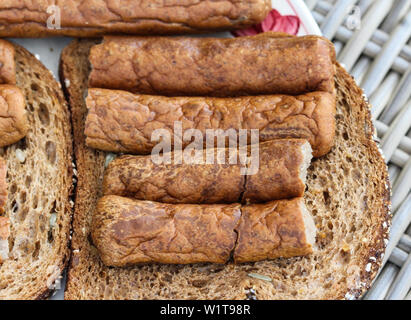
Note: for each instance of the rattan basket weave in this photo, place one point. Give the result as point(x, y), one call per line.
point(372, 40)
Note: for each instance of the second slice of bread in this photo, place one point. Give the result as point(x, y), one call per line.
point(347, 194)
point(40, 180)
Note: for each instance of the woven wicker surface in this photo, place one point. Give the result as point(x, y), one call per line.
point(372, 40)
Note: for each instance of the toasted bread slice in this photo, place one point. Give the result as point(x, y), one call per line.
point(348, 196)
point(40, 180)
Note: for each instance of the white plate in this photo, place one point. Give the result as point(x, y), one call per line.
point(298, 8)
point(48, 50)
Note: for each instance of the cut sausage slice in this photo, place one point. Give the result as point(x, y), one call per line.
point(127, 232)
point(276, 229)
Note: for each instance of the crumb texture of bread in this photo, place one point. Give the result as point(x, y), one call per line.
point(347, 195)
point(40, 182)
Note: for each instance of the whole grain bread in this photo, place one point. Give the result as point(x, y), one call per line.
point(348, 195)
point(40, 181)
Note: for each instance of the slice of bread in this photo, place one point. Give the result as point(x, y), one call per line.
point(40, 180)
point(348, 195)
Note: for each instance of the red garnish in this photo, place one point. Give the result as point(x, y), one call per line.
point(273, 22)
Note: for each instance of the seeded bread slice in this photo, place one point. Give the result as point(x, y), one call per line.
point(348, 196)
point(40, 181)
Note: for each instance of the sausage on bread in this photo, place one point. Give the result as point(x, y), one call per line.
point(267, 63)
point(279, 173)
point(13, 118)
point(127, 231)
point(120, 121)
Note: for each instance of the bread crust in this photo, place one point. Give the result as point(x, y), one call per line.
point(96, 18)
point(278, 175)
point(261, 64)
point(13, 119)
point(7, 63)
point(87, 276)
point(120, 121)
point(128, 232)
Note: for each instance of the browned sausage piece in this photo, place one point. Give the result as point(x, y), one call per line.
point(4, 238)
point(13, 119)
point(7, 63)
point(276, 229)
point(127, 232)
point(280, 173)
point(80, 18)
point(3, 184)
point(120, 121)
point(140, 178)
point(262, 64)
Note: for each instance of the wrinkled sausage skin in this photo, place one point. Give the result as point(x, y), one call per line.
point(127, 231)
point(80, 18)
point(273, 230)
point(7, 63)
point(279, 174)
point(138, 177)
point(120, 121)
point(253, 65)
point(13, 118)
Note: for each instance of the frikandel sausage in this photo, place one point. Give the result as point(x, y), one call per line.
point(261, 64)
